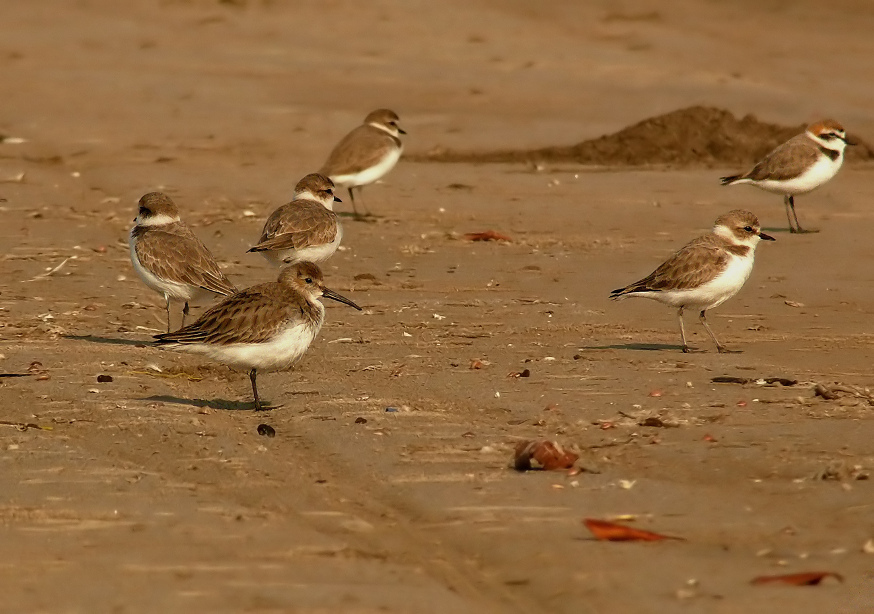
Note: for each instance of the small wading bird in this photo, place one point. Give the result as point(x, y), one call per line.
point(306, 229)
point(170, 259)
point(267, 327)
point(366, 154)
point(706, 272)
point(798, 166)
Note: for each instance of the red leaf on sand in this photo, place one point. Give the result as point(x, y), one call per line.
point(548, 454)
point(611, 531)
point(806, 578)
point(488, 235)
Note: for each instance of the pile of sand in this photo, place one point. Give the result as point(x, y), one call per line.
point(696, 136)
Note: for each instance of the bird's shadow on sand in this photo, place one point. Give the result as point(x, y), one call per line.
point(646, 347)
point(223, 404)
point(108, 340)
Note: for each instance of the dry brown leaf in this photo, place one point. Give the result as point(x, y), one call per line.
point(488, 235)
point(614, 532)
point(805, 578)
point(549, 455)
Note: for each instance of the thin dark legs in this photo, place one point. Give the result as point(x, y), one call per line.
point(354, 208)
point(789, 202)
point(252, 375)
point(703, 317)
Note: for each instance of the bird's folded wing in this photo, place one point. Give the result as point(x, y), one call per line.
point(359, 150)
point(250, 316)
point(182, 258)
point(784, 161)
point(300, 227)
point(691, 267)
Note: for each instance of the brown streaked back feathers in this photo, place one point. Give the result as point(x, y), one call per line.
point(253, 315)
point(698, 262)
point(298, 224)
point(174, 253)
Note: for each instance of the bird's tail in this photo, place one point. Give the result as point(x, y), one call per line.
point(621, 292)
point(730, 179)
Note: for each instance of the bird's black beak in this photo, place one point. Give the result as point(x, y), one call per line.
point(401, 130)
point(339, 298)
point(765, 237)
point(848, 141)
point(337, 200)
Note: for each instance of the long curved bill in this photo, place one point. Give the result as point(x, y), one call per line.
point(327, 293)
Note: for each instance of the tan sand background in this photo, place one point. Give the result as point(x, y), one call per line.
point(154, 493)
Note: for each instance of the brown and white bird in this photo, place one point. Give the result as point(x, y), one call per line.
point(306, 229)
point(170, 259)
point(366, 154)
point(267, 327)
point(706, 272)
point(798, 166)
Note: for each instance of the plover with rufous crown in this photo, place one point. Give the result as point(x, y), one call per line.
point(170, 259)
point(366, 154)
point(306, 229)
point(267, 327)
point(706, 272)
point(798, 166)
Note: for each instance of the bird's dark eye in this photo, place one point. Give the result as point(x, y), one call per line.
point(748, 228)
point(145, 211)
point(827, 136)
point(309, 280)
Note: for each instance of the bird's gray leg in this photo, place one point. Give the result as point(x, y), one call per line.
point(789, 203)
point(167, 298)
point(719, 347)
point(686, 348)
point(352, 198)
point(184, 313)
point(797, 225)
point(252, 375)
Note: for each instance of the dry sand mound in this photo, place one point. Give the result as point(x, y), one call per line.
point(695, 136)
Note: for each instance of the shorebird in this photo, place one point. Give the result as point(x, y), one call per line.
point(366, 154)
point(706, 272)
point(170, 259)
point(306, 229)
point(798, 166)
point(267, 327)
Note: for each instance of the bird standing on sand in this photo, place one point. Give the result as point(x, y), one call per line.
point(800, 165)
point(366, 154)
point(170, 259)
point(306, 229)
point(706, 272)
point(267, 327)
